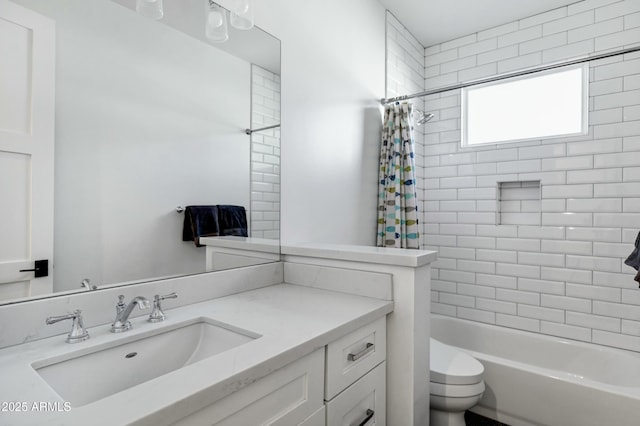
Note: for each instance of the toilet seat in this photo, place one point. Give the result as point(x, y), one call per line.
point(451, 366)
point(456, 391)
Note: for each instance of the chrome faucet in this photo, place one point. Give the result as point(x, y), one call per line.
point(86, 284)
point(123, 311)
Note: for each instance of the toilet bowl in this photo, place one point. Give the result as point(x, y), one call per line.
point(456, 384)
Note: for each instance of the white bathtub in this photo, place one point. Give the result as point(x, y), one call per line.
point(533, 379)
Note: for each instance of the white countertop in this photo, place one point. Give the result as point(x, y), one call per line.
point(243, 243)
point(292, 320)
point(366, 254)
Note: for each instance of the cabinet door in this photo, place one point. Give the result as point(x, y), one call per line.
point(317, 419)
point(286, 397)
point(361, 404)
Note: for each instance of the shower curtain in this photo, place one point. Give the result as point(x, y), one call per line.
point(397, 198)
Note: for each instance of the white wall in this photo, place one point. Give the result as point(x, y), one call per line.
point(147, 119)
point(566, 277)
point(332, 77)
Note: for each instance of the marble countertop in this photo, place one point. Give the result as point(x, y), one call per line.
point(292, 320)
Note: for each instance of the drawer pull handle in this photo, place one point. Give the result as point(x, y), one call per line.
point(368, 417)
point(354, 357)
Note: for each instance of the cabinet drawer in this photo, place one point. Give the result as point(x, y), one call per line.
point(287, 396)
point(353, 355)
point(361, 404)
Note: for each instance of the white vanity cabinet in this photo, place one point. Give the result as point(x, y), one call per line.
point(344, 387)
point(362, 403)
point(318, 418)
point(355, 387)
point(289, 396)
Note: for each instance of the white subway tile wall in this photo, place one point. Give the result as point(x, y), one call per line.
point(265, 154)
point(405, 74)
point(565, 274)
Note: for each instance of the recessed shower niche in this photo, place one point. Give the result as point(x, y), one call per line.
point(518, 203)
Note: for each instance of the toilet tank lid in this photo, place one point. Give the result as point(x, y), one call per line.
point(452, 366)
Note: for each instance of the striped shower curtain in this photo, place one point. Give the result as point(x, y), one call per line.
point(397, 199)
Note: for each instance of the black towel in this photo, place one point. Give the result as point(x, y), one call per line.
point(634, 259)
point(232, 220)
point(213, 221)
point(200, 221)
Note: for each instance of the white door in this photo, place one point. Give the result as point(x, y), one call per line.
point(27, 81)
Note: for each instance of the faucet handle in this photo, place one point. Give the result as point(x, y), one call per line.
point(78, 333)
point(157, 314)
point(167, 296)
point(120, 306)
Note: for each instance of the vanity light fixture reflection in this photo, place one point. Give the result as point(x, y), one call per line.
point(216, 28)
point(242, 14)
point(152, 9)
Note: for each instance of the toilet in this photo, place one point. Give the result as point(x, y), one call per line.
point(456, 384)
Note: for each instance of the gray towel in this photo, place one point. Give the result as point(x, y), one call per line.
point(634, 259)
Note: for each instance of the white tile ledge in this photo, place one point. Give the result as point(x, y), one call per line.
point(364, 254)
point(319, 317)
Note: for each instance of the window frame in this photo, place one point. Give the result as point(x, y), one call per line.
point(464, 104)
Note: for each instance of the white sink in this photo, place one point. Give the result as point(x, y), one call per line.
point(81, 378)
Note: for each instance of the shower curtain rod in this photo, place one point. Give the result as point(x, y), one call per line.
point(249, 131)
point(511, 75)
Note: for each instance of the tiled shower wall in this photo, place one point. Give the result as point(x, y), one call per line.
point(405, 74)
point(265, 154)
point(559, 271)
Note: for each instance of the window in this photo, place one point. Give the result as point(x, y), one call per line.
point(538, 106)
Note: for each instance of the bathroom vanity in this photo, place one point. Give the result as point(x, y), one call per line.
point(341, 383)
point(277, 373)
point(306, 341)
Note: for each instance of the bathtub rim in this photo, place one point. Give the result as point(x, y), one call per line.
point(623, 391)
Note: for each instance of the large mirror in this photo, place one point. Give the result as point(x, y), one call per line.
point(151, 117)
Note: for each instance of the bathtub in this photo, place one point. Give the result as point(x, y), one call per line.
point(533, 379)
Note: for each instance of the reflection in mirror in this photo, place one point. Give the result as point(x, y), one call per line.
point(149, 116)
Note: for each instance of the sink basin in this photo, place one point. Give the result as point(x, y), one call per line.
point(87, 377)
